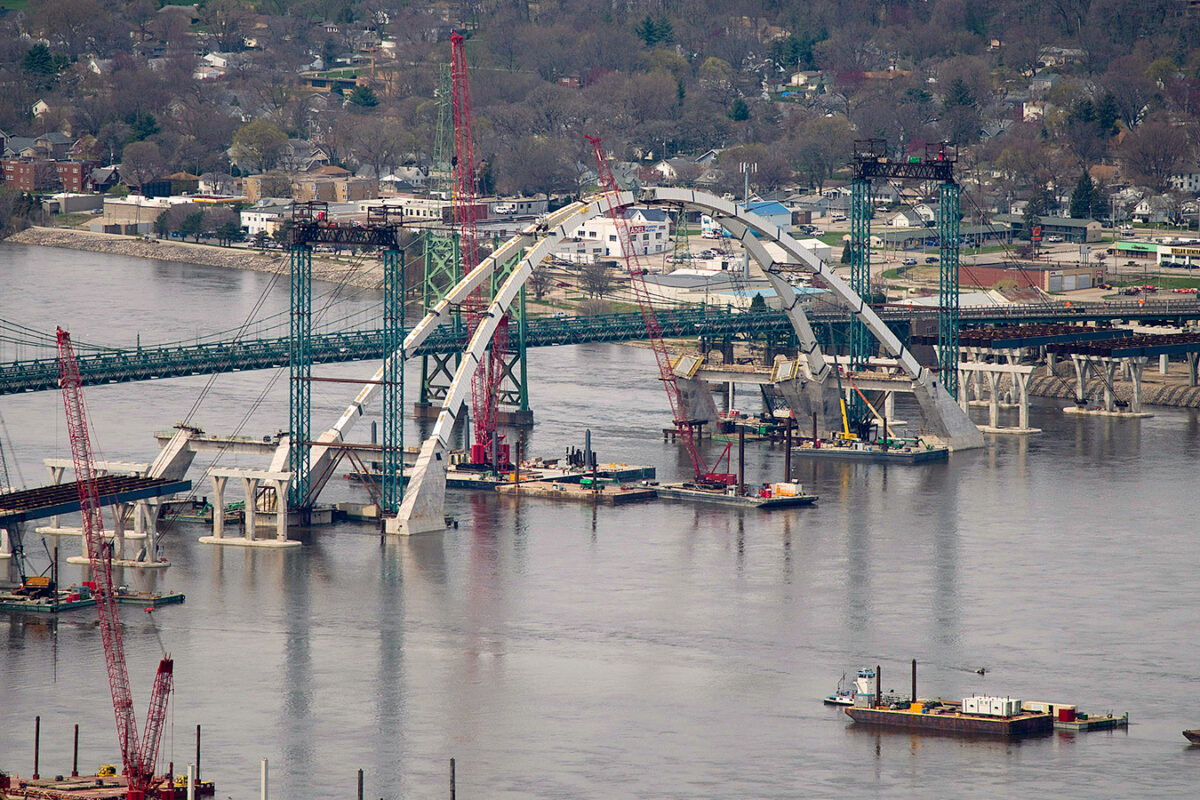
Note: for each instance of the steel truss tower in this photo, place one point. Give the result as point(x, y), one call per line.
point(392, 482)
point(871, 161)
point(300, 369)
point(948, 254)
point(861, 341)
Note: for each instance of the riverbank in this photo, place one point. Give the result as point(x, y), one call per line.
point(361, 272)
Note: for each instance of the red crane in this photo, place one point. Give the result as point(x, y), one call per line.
point(485, 381)
point(137, 754)
point(619, 216)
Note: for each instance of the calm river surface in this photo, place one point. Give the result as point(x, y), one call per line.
point(646, 651)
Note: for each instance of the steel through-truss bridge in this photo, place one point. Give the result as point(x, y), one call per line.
point(178, 360)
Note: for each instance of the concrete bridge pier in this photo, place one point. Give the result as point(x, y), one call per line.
point(278, 482)
point(992, 376)
point(1192, 360)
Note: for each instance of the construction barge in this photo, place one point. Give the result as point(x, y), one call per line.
point(978, 715)
point(873, 452)
point(94, 787)
point(768, 498)
point(601, 492)
point(74, 597)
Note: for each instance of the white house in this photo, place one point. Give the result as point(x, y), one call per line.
point(1187, 181)
point(265, 217)
point(921, 215)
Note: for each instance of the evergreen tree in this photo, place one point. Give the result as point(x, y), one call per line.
point(739, 111)
point(364, 97)
point(846, 252)
point(1083, 199)
point(959, 94)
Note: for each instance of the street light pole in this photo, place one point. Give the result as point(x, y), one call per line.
point(747, 167)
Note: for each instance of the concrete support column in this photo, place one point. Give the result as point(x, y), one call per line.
point(5, 543)
point(1192, 360)
point(1051, 361)
point(281, 508)
point(1110, 375)
point(1136, 367)
point(1021, 381)
point(1082, 367)
point(251, 485)
point(889, 405)
point(56, 476)
point(149, 520)
point(1164, 364)
point(119, 530)
point(993, 382)
point(219, 482)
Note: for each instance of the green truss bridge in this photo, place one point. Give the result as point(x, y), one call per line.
point(171, 361)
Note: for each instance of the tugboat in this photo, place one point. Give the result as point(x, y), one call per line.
point(844, 696)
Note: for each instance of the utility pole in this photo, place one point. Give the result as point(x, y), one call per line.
point(747, 167)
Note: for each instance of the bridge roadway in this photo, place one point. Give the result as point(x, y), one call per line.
point(152, 363)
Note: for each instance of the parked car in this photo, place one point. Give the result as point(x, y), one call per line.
point(910, 262)
point(931, 259)
point(1054, 238)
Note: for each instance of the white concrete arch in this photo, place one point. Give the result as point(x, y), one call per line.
point(422, 509)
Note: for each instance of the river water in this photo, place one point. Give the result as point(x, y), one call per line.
point(654, 650)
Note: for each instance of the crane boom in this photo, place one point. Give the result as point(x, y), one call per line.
point(618, 214)
point(138, 756)
point(488, 374)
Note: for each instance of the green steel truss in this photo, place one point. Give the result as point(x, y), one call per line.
point(512, 392)
point(146, 363)
point(300, 363)
point(442, 265)
point(861, 343)
point(392, 483)
point(948, 253)
point(443, 141)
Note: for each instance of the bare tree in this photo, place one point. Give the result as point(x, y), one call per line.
point(597, 280)
point(1154, 152)
point(141, 162)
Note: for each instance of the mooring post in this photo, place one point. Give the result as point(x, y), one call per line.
point(75, 754)
point(37, 743)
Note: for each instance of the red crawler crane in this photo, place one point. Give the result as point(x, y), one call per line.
point(138, 755)
point(618, 214)
point(485, 381)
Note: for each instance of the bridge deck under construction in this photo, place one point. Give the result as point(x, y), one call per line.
point(63, 498)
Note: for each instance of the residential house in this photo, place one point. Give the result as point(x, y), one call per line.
point(922, 215)
point(102, 179)
point(1152, 210)
point(1043, 82)
point(266, 216)
point(39, 108)
point(30, 174)
point(1187, 181)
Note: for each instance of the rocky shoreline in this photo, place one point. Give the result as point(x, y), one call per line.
point(366, 272)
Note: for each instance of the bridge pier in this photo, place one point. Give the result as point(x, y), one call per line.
point(278, 482)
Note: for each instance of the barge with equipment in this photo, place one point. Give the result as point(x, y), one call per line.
point(979, 716)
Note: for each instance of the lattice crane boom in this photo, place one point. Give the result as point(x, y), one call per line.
point(618, 214)
point(485, 381)
point(137, 754)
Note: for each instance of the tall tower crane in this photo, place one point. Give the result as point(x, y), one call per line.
point(138, 754)
point(485, 381)
point(617, 213)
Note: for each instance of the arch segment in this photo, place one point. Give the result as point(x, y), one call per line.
point(422, 509)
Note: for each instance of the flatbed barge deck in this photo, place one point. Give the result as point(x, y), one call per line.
point(950, 718)
point(612, 495)
point(874, 454)
point(90, 787)
point(766, 501)
point(68, 601)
